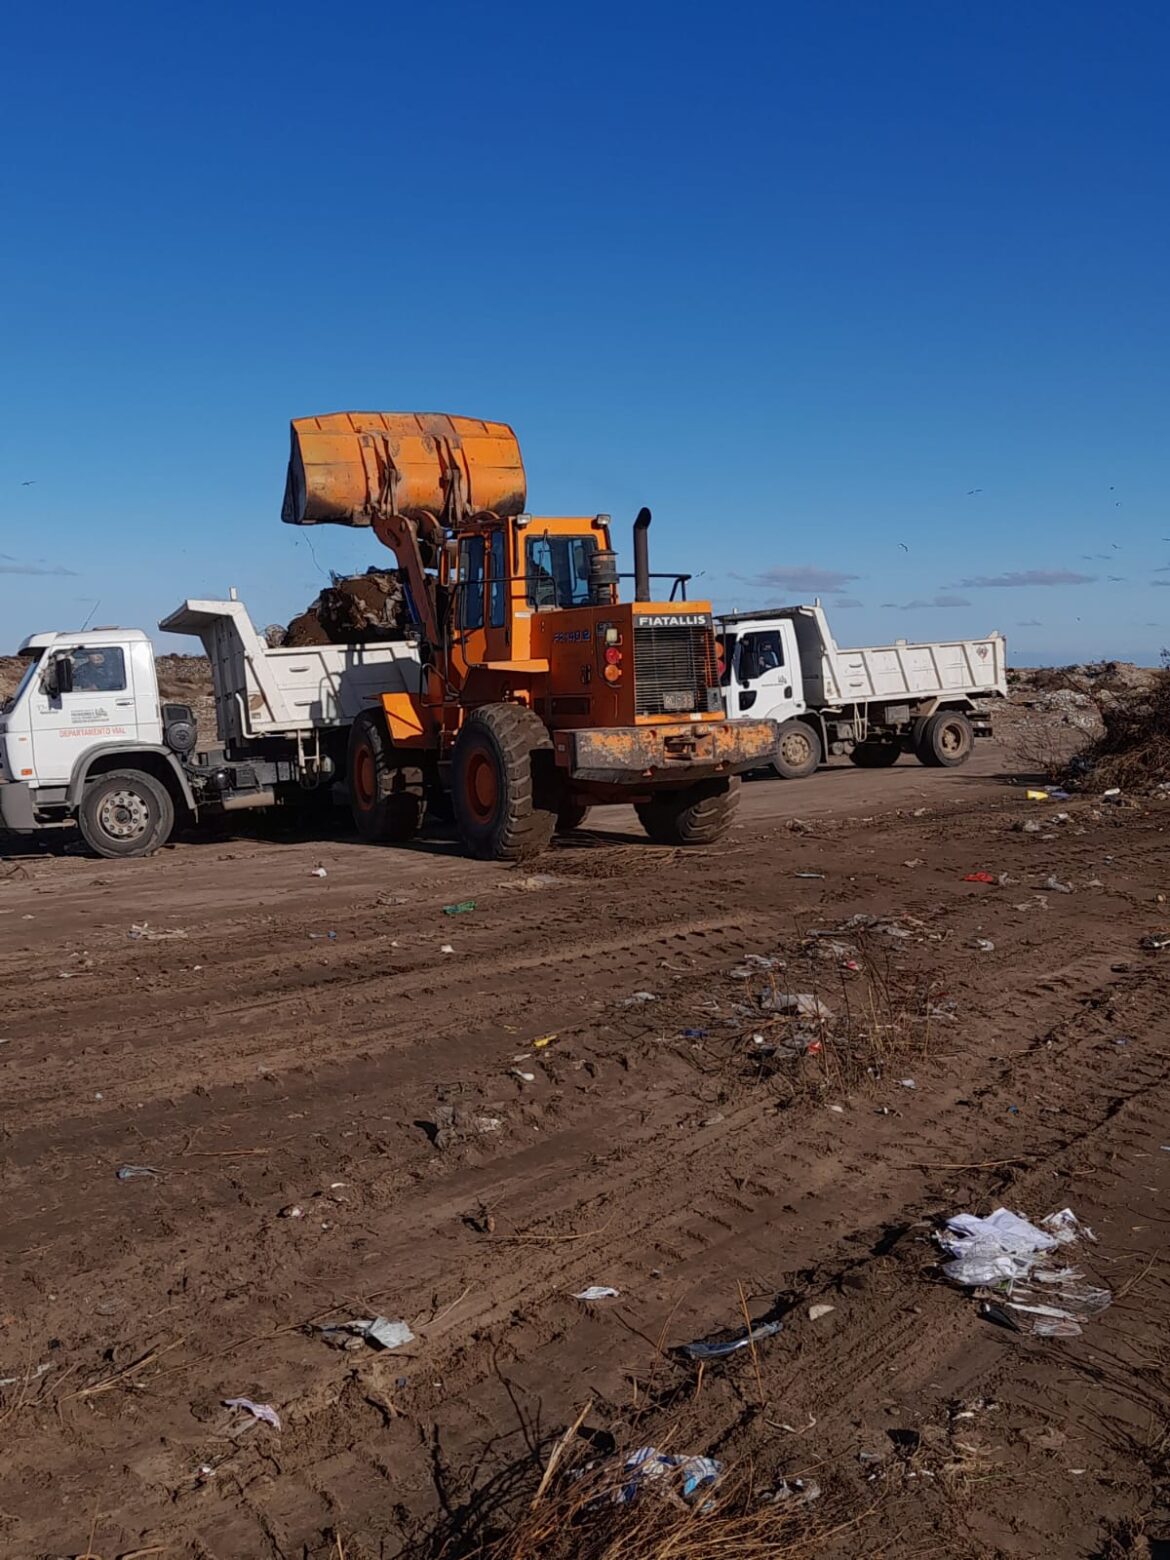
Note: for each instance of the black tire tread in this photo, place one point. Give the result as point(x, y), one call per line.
point(164, 825)
point(527, 827)
point(697, 815)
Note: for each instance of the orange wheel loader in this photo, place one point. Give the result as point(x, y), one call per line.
point(540, 692)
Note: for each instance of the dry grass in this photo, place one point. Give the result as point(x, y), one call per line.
point(578, 1520)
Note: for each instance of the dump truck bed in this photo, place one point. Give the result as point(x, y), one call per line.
point(262, 692)
point(833, 677)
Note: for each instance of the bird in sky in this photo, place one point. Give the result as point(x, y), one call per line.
point(1117, 579)
point(1116, 546)
point(903, 546)
point(33, 483)
point(971, 492)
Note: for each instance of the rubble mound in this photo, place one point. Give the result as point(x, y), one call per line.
point(1133, 751)
point(361, 609)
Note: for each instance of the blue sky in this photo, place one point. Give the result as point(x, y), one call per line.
point(864, 298)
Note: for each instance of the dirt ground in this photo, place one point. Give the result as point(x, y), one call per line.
point(327, 1075)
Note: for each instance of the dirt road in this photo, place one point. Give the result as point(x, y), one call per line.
point(346, 1121)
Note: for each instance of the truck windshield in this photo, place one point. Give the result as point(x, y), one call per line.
point(557, 570)
point(30, 671)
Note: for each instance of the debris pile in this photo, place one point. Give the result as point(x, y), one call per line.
point(1133, 751)
point(358, 609)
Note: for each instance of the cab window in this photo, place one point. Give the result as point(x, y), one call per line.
point(557, 570)
point(100, 670)
point(759, 653)
point(471, 555)
point(498, 588)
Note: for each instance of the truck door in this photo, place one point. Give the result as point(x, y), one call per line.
point(84, 698)
point(765, 675)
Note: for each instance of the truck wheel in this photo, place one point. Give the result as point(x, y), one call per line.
point(125, 813)
point(496, 783)
point(798, 750)
point(875, 755)
point(384, 806)
point(571, 816)
point(945, 740)
point(697, 815)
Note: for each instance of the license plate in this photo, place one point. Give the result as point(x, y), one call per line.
point(678, 701)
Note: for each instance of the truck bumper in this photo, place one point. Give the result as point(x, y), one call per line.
point(17, 812)
point(667, 754)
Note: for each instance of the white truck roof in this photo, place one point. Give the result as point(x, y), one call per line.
point(88, 636)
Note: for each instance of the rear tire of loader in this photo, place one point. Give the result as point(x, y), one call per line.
point(875, 755)
point(944, 741)
point(697, 815)
point(571, 816)
point(798, 750)
point(385, 801)
point(500, 784)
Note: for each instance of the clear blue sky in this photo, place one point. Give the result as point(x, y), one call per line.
point(799, 276)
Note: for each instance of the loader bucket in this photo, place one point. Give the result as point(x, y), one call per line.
point(348, 468)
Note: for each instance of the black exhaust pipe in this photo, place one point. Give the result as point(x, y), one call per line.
point(642, 556)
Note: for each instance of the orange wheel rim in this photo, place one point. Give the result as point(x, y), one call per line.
point(483, 787)
point(364, 775)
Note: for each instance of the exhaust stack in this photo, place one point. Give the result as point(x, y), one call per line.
point(642, 556)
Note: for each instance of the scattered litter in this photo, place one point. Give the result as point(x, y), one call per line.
point(597, 1292)
point(316, 872)
point(258, 1410)
point(1057, 886)
point(487, 1123)
point(815, 1312)
point(1057, 793)
point(803, 1003)
point(21, 1381)
point(1036, 796)
point(524, 1077)
point(1114, 790)
point(694, 1034)
point(129, 1172)
point(690, 1478)
point(840, 1109)
point(907, 1083)
point(639, 996)
point(1008, 1255)
point(752, 964)
point(720, 1348)
point(1156, 942)
point(463, 906)
point(915, 861)
point(379, 1331)
point(817, 875)
point(712, 1121)
point(1029, 826)
point(802, 1491)
point(147, 933)
point(979, 877)
point(542, 1041)
point(322, 936)
point(446, 948)
point(291, 1211)
point(982, 944)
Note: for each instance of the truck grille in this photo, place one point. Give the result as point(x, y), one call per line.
point(674, 669)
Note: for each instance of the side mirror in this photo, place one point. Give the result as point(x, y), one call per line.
point(58, 678)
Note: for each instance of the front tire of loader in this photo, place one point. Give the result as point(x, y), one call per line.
point(798, 750)
point(499, 785)
point(387, 808)
point(944, 741)
point(697, 815)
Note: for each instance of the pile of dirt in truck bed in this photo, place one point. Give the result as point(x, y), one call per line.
point(359, 609)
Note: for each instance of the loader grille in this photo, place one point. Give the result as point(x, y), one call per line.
point(674, 667)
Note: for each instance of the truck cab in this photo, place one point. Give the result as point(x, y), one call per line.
point(760, 671)
point(87, 707)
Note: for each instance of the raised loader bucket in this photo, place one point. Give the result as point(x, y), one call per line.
point(349, 467)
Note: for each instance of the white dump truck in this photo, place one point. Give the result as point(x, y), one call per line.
point(85, 736)
point(872, 704)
